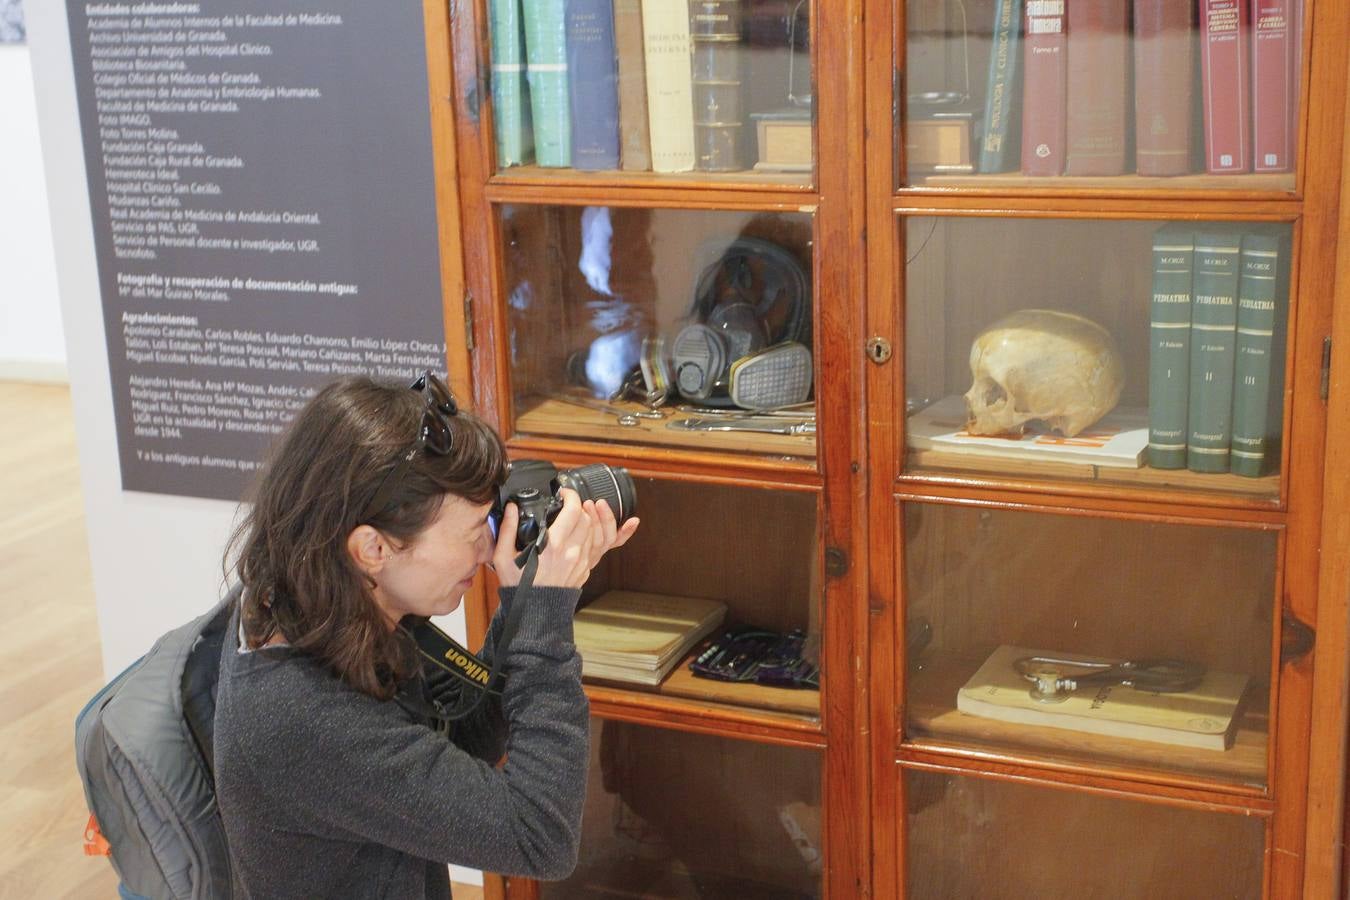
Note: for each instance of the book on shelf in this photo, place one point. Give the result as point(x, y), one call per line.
point(1000, 146)
point(1258, 371)
point(1205, 717)
point(1097, 99)
point(639, 637)
point(592, 84)
point(546, 71)
point(1119, 440)
point(715, 30)
point(1214, 288)
point(1164, 75)
point(1226, 85)
point(635, 149)
point(1169, 359)
point(670, 98)
point(1044, 88)
point(1274, 84)
point(510, 95)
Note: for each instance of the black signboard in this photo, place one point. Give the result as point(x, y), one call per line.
point(263, 198)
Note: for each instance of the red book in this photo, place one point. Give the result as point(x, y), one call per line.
point(1164, 71)
point(1044, 100)
point(1274, 95)
point(1099, 77)
point(1226, 85)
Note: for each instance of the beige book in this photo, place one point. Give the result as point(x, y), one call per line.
point(670, 97)
point(639, 637)
point(1204, 717)
point(635, 151)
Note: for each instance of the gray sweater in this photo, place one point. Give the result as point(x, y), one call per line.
point(328, 792)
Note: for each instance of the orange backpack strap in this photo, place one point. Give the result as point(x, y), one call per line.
point(95, 844)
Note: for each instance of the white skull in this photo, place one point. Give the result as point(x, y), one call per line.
point(1046, 366)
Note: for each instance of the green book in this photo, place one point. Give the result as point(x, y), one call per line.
point(1169, 360)
point(1214, 288)
point(510, 94)
point(546, 72)
point(1000, 149)
point(1260, 312)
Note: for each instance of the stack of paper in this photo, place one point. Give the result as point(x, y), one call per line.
point(628, 636)
point(1118, 440)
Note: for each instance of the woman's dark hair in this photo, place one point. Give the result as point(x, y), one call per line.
point(298, 578)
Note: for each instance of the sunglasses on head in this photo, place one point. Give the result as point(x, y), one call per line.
point(433, 436)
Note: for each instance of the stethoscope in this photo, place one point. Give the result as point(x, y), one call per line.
point(1051, 684)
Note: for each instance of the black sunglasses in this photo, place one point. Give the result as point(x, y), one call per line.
point(433, 436)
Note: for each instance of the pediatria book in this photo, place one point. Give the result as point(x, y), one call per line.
point(1205, 716)
point(1119, 440)
point(636, 637)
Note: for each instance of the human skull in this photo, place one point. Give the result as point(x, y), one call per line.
point(1042, 365)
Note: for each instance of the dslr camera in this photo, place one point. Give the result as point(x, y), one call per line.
point(533, 486)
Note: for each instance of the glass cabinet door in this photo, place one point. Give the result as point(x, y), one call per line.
point(1153, 94)
point(977, 837)
point(677, 328)
point(1137, 647)
point(678, 815)
point(1108, 352)
point(714, 90)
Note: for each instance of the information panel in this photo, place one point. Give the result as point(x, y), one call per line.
point(263, 198)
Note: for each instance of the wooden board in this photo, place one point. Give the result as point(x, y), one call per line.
point(932, 713)
point(557, 418)
point(682, 683)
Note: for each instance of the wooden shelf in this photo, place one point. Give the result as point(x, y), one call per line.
point(1182, 184)
point(931, 714)
point(557, 418)
point(1267, 487)
point(536, 176)
point(681, 684)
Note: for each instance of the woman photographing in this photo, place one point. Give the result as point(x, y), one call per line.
point(335, 777)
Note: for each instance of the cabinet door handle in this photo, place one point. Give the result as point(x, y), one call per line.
point(1296, 638)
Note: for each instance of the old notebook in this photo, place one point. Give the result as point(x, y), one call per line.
point(636, 637)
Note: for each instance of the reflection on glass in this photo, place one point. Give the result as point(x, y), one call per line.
point(707, 86)
point(1134, 352)
point(675, 327)
point(1007, 92)
point(754, 551)
point(670, 814)
point(972, 837)
point(1016, 605)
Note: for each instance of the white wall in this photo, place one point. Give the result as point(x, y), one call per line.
point(31, 344)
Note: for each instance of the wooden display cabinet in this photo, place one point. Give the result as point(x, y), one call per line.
point(907, 567)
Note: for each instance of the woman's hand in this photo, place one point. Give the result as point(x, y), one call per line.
point(579, 537)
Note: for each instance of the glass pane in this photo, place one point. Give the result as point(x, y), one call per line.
point(750, 550)
point(1114, 94)
point(1132, 352)
point(1012, 605)
point(683, 328)
point(717, 88)
point(680, 815)
point(972, 837)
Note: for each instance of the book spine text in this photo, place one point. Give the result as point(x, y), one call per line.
point(1213, 338)
point(1169, 360)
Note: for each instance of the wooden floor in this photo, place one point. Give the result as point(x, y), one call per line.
point(50, 663)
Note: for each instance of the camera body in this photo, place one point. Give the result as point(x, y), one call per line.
point(533, 486)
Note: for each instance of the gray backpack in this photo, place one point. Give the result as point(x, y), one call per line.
point(143, 748)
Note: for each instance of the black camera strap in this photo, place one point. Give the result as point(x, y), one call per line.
point(446, 653)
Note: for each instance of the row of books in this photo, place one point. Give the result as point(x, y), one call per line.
point(1218, 321)
point(642, 85)
point(1103, 81)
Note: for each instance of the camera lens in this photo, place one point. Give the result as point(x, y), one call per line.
point(601, 482)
